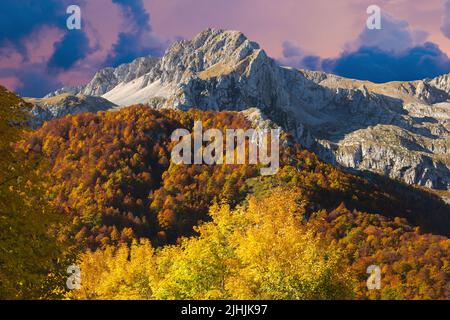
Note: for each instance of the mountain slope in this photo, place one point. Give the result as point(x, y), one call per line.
point(111, 173)
point(58, 106)
point(398, 129)
point(108, 78)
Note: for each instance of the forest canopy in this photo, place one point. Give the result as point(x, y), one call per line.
point(141, 227)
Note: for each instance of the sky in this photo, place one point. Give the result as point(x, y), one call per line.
point(39, 54)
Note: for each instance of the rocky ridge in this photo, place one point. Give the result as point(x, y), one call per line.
point(58, 106)
point(108, 78)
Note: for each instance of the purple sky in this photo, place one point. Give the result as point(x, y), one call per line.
point(38, 53)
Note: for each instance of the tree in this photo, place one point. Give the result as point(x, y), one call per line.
point(28, 242)
point(257, 251)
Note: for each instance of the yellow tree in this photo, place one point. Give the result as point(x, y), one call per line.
point(258, 251)
point(27, 248)
point(117, 273)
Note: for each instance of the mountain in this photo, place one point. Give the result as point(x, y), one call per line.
point(397, 129)
point(108, 78)
point(58, 106)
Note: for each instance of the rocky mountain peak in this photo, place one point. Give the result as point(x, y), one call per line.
point(212, 52)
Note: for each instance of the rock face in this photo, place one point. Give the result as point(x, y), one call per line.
point(61, 105)
point(108, 78)
point(398, 129)
point(63, 90)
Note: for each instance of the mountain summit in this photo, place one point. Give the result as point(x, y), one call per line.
point(398, 129)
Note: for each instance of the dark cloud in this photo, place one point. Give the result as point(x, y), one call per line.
point(377, 65)
point(374, 64)
point(311, 62)
point(295, 57)
point(290, 50)
point(35, 81)
point(19, 19)
point(394, 53)
point(72, 48)
point(134, 11)
point(138, 40)
point(395, 35)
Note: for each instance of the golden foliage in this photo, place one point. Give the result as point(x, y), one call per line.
point(257, 251)
point(27, 248)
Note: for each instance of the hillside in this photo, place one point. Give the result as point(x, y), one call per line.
point(111, 173)
point(398, 129)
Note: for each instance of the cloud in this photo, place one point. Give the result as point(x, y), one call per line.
point(138, 39)
point(445, 27)
point(32, 81)
point(394, 53)
point(290, 50)
point(20, 18)
point(35, 33)
point(72, 48)
point(374, 64)
point(134, 12)
point(28, 28)
point(394, 36)
point(295, 57)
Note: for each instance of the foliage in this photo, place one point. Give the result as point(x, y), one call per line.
point(413, 265)
point(257, 251)
point(28, 243)
point(111, 173)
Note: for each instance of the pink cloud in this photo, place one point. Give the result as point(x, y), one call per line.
point(103, 23)
point(321, 27)
point(10, 82)
point(39, 44)
point(10, 58)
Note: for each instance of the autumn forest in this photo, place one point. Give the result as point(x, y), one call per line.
point(99, 191)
